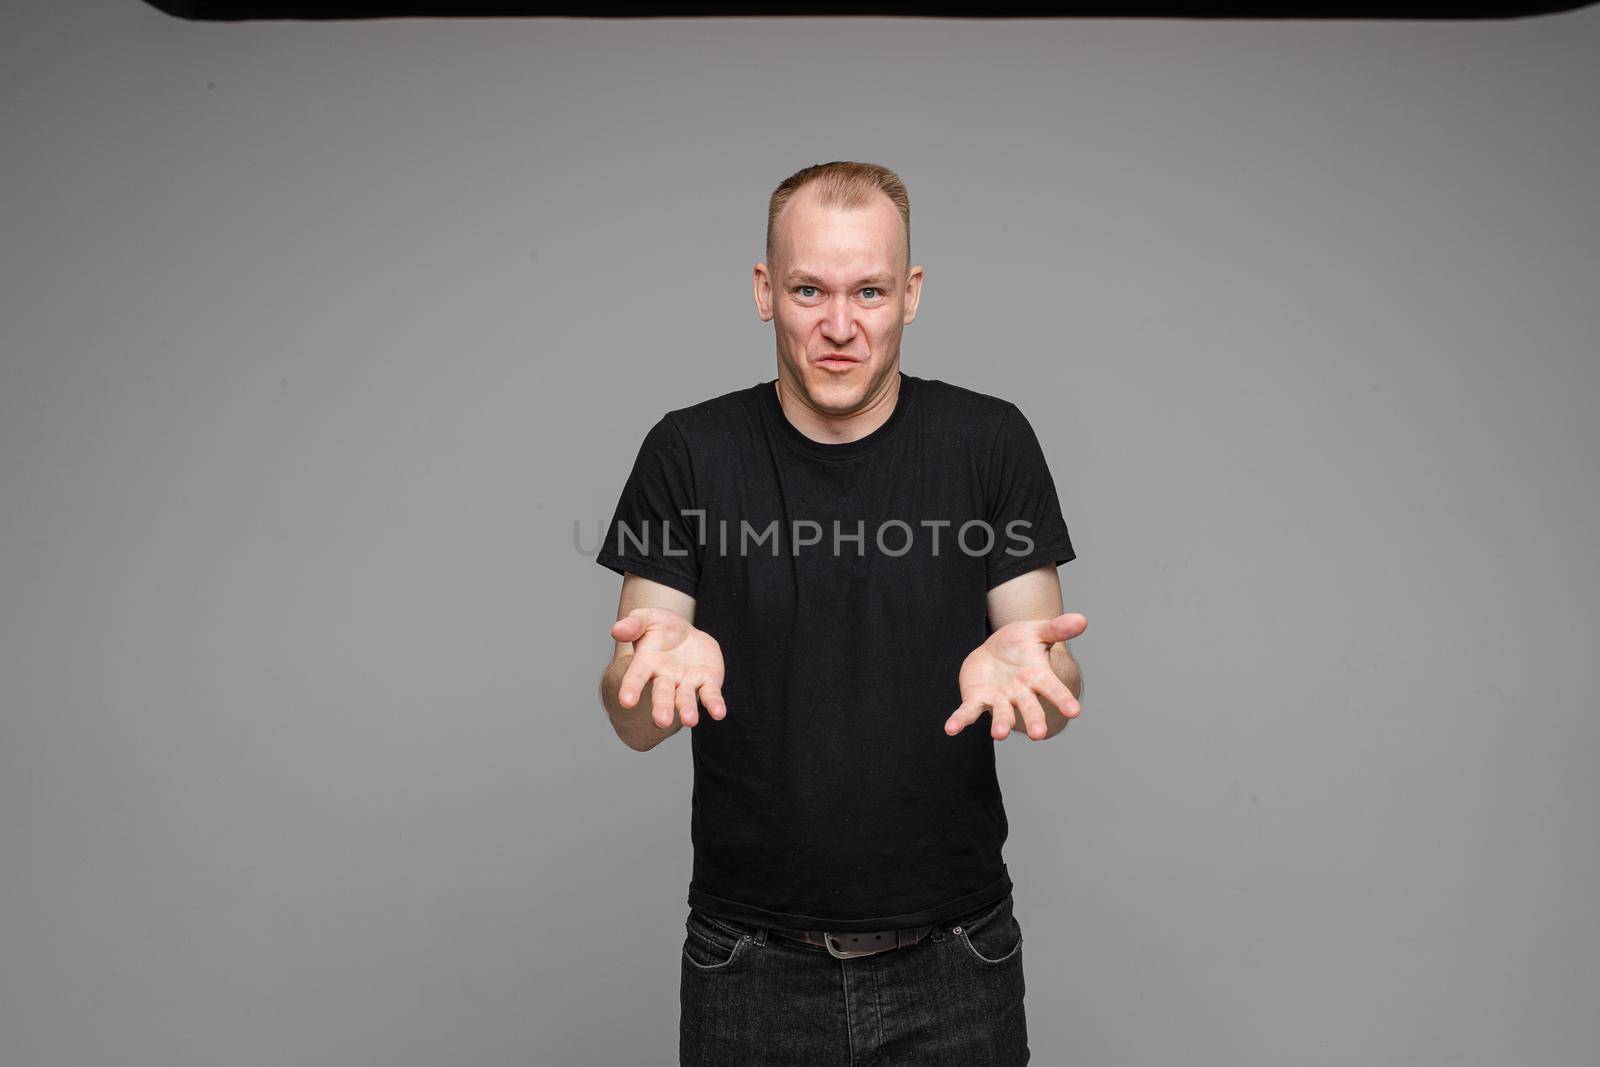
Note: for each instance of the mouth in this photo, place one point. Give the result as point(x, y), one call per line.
point(837, 361)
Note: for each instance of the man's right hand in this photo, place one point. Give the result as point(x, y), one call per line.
point(681, 662)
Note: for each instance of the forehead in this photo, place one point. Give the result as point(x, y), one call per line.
point(841, 244)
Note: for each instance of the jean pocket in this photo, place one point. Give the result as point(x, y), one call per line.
point(992, 936)
point(712, 944)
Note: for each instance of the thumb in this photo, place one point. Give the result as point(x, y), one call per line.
point(630, 628)
point(1064, 627)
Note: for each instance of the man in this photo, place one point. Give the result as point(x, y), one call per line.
point(845, 567)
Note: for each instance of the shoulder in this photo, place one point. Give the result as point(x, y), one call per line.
point(959, 399)
point(709, 423)
point(980, 415)
point(720, 406)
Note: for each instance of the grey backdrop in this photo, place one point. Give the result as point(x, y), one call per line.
point(320, 339)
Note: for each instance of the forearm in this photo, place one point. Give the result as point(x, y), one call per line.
point(634, 725)
point(1071, 675)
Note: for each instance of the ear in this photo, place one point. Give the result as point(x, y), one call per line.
point(913, 294)
point(763, 293)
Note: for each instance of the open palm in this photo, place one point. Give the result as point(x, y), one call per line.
point(679, 662)
point(1010, 671)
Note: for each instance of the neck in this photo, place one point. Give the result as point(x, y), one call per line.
point(837, 428)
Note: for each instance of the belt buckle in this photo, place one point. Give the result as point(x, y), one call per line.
point(851, 953)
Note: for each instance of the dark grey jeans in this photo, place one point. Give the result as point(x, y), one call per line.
point(749, 998)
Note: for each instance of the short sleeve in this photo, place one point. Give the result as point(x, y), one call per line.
point(655, 530)
point(1024, 513)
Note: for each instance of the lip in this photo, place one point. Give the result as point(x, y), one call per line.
point(837, 361)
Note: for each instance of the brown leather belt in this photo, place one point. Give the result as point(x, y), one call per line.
point(849, 946)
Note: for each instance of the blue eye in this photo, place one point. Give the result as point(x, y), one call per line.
point(872, 289)
point(804, 287)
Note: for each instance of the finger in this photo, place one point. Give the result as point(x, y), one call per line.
point(687, 709)
point(663, 689)
point(634, 679)
point(1057, 693)
point(1002, 719)
point(1032, 716)
point(711, 698)
point(964, 716)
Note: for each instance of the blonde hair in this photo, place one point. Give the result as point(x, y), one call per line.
point(843, 185)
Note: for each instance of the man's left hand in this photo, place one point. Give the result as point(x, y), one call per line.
point(1010, 671)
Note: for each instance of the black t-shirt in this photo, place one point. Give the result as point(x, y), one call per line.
point(830, 796)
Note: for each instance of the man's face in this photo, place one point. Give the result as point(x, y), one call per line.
point(838, 294)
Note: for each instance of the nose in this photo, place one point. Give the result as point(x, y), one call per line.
point(838, 325)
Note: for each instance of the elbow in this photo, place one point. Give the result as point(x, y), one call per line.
point(639, 742)
point(635, 743)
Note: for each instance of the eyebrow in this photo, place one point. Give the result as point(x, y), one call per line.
point(803, 277)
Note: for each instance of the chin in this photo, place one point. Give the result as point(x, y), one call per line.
point(852, 384)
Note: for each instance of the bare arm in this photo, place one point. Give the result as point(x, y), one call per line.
point(1036, 595)
point(649, 691)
